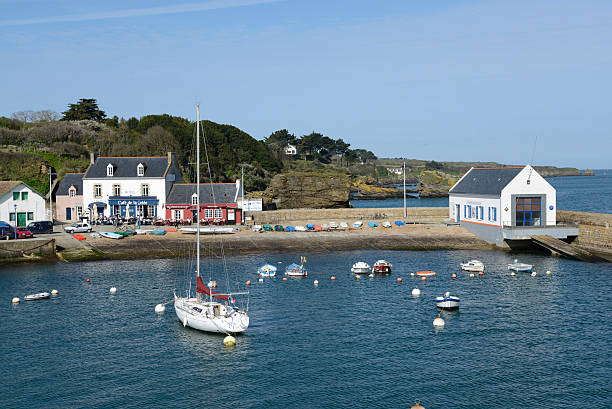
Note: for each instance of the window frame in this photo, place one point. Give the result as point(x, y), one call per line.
point(140, 170)
point(97, 191)
point(16, 195)
point(110, 170)
point(117, 190)
point(144, 189)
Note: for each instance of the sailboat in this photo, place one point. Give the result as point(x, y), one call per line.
point(209, 310)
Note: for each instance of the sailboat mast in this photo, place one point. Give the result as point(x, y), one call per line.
point(198, 188)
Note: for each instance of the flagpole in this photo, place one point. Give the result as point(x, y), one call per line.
point(242, 186)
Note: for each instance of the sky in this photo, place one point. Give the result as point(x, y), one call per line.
point(443, 80)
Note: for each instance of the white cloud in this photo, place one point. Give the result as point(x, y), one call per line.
point(152, 11)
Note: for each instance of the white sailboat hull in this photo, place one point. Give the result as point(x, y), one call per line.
point(224, 320)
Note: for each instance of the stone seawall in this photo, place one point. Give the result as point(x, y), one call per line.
point(27, 250)
point(414, 214)
point(594, 229)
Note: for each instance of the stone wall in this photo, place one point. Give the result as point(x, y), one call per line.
point(594, 229)
point(415, 214)
point(29, 249)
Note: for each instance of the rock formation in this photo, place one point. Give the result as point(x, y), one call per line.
point(434, 184)
point(308, 190)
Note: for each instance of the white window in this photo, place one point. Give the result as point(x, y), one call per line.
point(218, 213)
point(208, 213)
point(140, 169)
point(79, 210)
point(72, 192)
point(97, 191)
point(144, 190)
point(109, 169)
point(177, 215)
point(117, 190)
point(151, 210)
point(194, 199)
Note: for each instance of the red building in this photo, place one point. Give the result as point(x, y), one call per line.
point(217, 205)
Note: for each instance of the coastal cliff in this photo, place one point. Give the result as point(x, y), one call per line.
point(308, 190)
point(434, 184)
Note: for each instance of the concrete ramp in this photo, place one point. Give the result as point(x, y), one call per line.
point(565, 249)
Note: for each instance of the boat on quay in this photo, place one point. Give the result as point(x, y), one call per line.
point(520, 267)
point(267, 270)
point(111, 235)
point(361, 267)
point(473, 265)
point(448, 302)
point(382, 266)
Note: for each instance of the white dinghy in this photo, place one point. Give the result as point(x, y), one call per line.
point(448, 302)
point(473, 265)
point(361, 267)
point(37, 296)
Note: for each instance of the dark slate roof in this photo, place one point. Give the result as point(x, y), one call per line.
point(485, 181)
point(69, 180)
point(155, 167)
point(182, 193)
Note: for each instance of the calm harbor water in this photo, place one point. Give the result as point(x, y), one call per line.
point(537, 342)
point(580, 193)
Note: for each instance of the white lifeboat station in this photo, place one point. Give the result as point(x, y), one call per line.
point(505, 206)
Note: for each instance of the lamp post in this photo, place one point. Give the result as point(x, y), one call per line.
point(51, 173)
point(15, 205)
point(404, 171)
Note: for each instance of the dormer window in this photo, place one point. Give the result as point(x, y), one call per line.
point(72, 192)
point(110, 169)
point(194, 199)
point(141, 169)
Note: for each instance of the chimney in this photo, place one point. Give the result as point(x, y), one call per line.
point(169, 157)
point(92, 157)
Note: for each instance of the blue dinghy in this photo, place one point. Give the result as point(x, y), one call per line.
point(399, 223)
point(110, 235)
point(372, 224)
point(289, 228)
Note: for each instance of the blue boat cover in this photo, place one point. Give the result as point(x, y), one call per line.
point(372, 224)
point(310, 226)
point(289, 228)
point(399, 223)
point(293, 267)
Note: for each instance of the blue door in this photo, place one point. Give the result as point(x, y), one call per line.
point(68, 213)
point(457, 213)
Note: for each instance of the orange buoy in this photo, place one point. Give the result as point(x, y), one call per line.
point(333, 278)
point(88, 280)
point(417, 405)
point(453, 276)
point(424, 278)
point(284, 278)
point(399, 279)
point(481, 273)
point(248, 282)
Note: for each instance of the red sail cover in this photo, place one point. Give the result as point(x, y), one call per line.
point(201, 288)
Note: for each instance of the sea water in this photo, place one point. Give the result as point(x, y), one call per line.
point(516, 341)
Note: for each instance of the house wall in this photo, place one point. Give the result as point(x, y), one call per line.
point(484, 226)
point(186, 213)
point(538, 186)
point(34, 204)
point(64, 201)
point(129, 187)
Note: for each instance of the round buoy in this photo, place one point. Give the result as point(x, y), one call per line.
point(88, 280)
point(159, 308)
point(453, 276)
point(417, 405)
point(16, 300)
point(261, 280)
point(411, 274)
point(438, 322)
point(229, 341)
point(371, 276)
point(54, 292)
point(513, 273)
point(533, 274)
point(333, 278)
point(399, 279)
point(423, 279)
point(416, 292)
point(248, 282)
point(357, 276)
point(284, 278)
point(548, 273)
point(472, 275)
point(481, 273)
point(113, 290)
point(316, 282)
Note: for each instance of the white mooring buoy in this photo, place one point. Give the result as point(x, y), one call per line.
point(438, 322)
point(472, 275)
point(261, 280)
point(533, 274)
point(16, 300)
point(548, 273)
point(316, 282)
point(113, 290)
point(416, 292)
point(160, 308)
point(512, 273)
point(54, 292)
point(411, 274)
point(229, 341)
point(371, 275)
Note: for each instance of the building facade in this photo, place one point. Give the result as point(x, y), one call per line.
point(20, 203)
point(500, 204)
point(129, 186)
point(69, 198)
point(290, 150)
point(218, 203)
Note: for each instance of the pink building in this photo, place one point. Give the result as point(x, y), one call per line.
point(69, 198)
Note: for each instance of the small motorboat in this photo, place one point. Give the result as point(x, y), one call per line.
point(520, 267)
point(318, 227)
point(158, 232)
point(343, 225)
point(473, 265)
point(333, 225)
point(256, 228)
point(399, 223)
point(310, 226)
point(296, 270)
point(425, 273)
point(372, 224)
point(448, 302)
point(382, 266)
point(267, 270)
point(358, 224)
point(289, 228)
point(110, 235)
point(300, 228)
point(325, 227)
point(361, 267)
point(36, 297)
point(386, 224)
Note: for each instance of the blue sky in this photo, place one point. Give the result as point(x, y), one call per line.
point(444, 80)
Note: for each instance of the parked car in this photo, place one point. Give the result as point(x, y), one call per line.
point(41, 227)
point(78, 228)
point(6, 231)
point(24, 233)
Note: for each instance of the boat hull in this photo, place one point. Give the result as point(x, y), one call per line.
point(382, 269)
point(447, 303)
point(520, 268)
point(426, 273)
point(205, 319)
point(36, 297)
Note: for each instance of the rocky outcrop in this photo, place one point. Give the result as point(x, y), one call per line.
point(434, 184)
point(312, 190)
point(366, 191)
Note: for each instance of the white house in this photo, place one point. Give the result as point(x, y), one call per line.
point(501, 204)
point(20, 202)
point(128, 186)
point(290, 150)
point(395, 171)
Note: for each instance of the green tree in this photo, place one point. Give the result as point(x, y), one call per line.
point(341, 148)
point(282, 136)
point(84, 109)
